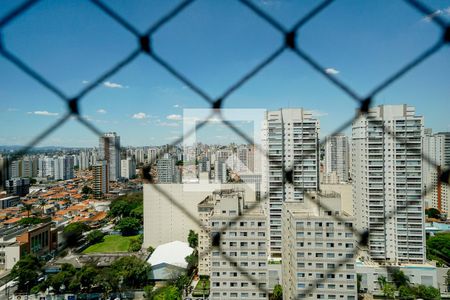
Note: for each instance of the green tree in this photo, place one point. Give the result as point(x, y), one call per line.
point(406, 293)
point(27, 271)
point(128, 226)
point(433, 213)
point(136, 244)
point(399, 278)
point(133, 271)
point(95, 236)
point(86, 190)
point(138, 212)
point(381, 281)
point(73, 232)
point(86, 277)
point(389, 290)
point(150, 250)
point(192, 261)
point(277, 293)
point(427, 292)
point(28, 208)
point(192, 239)
point(30, 221)
point(107, 281)
point(64, 277)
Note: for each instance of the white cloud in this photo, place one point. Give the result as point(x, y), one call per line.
point(436, 13)
point(176, 106)
point(114, 85)
point(102, 111)
point(12, 109)
point(318, 113)
point(84, 81)
point(140, 116)
point(331, 71)
point(42, 113)
point(174, 117)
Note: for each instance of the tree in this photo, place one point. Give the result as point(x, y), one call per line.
point(389, 290)
point(133, 271)
point(399, 278)
point(381, 281)
point(27, 271)
point(192, 261)
point(30, 221)
point(138, 212)
point(64, 277)
point(433, 213)
point(73, 232)
point(192, 239)
point(277, 293)
point(128, 226)
point(95, 236)
point(427, 292)
point(150, 250)
point(136, 244)
point(86, 190)
point(86, 277)
point(27, 207)
point(406, 293)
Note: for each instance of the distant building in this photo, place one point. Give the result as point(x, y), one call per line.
point(109, 150)
point(64, 167)
point(101, 180)
point(128, 168)
point(337, 157)
point(9, 201)
point(166, 170)
point(220, 171)
point(168, 260)
point(436, 147)
point(18, 186)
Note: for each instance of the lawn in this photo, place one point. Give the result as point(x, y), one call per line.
point(198, 291)
point(111, 243)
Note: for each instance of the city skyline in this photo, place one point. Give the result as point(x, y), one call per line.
point(144, 104)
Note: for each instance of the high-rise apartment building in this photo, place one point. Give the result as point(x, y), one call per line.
point(243, 251)
point(109, 150)
point(151, 155)
point(101, 180)
point(220, 171)
point(290, 139)
point(18, 186)
point(139, 155)
point(5, 173)
point(337, 158)
point(436, 147)
point(318, 250)
point(166, 170)
point(64, 167)
point(128, 168)
point(387, 182)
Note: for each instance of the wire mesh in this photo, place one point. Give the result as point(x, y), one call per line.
point(144, 46)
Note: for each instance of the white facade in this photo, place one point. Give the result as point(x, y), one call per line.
point(220, 171)
point(64, 167)
point(166, 170)
point(128, 168)
point(290, 138)
point(242, 255)
point(387, 183)
point(318, 251)
point(167, 220)
point(109, 150)
point(336, 157)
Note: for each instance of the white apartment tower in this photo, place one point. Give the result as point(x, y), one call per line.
point(387, 183)
point(318, 250)
point(109, 150)
point(290, 139)
point(166, 169)
point(436, 147)
point(336, 157)
point(128, 168)
point(239, 266)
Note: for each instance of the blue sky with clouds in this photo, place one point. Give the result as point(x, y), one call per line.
point(213, 43)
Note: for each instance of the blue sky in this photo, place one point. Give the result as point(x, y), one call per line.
point(213, 43)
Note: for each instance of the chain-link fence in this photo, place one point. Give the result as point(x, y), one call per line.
point(145, 46)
